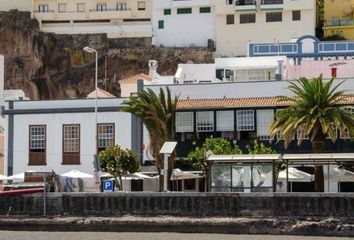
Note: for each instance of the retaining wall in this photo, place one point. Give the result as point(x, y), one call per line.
point(183, 204)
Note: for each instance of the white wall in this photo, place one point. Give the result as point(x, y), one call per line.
point(54, 124)
point(237, 89)
point(116, 30)
point(21, 5)
point(182, 30)
point(2, 77)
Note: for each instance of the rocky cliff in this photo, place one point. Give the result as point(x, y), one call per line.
point(50, 66)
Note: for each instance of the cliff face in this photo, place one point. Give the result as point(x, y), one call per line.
point(49, 66)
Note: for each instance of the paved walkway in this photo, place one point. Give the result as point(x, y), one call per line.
point(7, 235)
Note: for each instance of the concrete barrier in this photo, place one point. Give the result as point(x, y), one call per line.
point(183, 204)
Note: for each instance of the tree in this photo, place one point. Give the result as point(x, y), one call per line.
point(157, 112)
point(198, 157)
point(314, 109)
point(118, 162)
point(260, 148)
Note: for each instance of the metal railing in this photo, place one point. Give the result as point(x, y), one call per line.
point(339, 22)
point(245, 2)
point(110, 10)
point(270, 2)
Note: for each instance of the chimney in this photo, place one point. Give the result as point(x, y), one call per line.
point(152, 69)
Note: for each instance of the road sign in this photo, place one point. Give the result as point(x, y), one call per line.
point(108, 186)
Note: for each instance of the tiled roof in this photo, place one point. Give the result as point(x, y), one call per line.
point(135, 78)
point(100, 94)
point(239, 103)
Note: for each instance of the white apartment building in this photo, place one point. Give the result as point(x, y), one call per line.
point(21, 5)
point(116, 18)
point(241, 22)
point(184, 23)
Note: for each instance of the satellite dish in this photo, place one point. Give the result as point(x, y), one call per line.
point(348, 11)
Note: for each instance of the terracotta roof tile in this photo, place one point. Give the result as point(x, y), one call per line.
point(135, 78)
point(100, 94)
point(238, 103)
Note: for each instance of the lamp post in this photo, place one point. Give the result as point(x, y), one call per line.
point(91, 50)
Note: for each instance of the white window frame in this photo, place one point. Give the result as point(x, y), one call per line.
point(301, 135)
point(225, 121)
point(105, 135)
point(245, 120)
point(43, 8)
point(71, 138)
point(38, 137)
point(184, 122)
point(265, 118)
point(205, 121)
point(121, 6)
point(101, 7)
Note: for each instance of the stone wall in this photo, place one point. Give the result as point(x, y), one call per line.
point(183, 204)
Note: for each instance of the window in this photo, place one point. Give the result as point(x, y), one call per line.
point(335, 131)
point(265, 119)
point(71, 144)
point(204, 10)
point(62, 7)
point(141, 6)
point(184, 122)
point(161, 24)
point(81, 7)
point(247, 18)
point(274, 17)
point(122, 7)
point(184, 10)
point(105, 134)
point(230, 19)
point(205, 121)
point(345, 134)
point(301, 134)
point(225, 121)
point(245, 120)
point(37, 145)
point(101, 7)
point(43, 8)
point(255, 74)
point(297, 15)
point(167, 11)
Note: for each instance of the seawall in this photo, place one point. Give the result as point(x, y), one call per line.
point(256, 205)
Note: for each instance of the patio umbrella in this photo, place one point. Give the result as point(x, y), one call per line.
point(2, 177)
point(178, 174)
point(76, 174)
point(19, 176)
point(337, 174)
point(295, 175)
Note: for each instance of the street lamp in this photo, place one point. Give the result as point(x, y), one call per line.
point(91, 50)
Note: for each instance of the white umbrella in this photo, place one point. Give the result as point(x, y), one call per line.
point(295, 175)
point(76, 174)
point(2, 177)
point(339, 175)
point(19, 176)
point(130, 176)
point(178, 174)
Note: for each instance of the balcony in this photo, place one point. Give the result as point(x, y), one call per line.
point(339, 22)
point(245, 6)
point(272, 5)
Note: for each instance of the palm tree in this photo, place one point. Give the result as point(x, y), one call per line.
point(157, 112)
point(316, 109)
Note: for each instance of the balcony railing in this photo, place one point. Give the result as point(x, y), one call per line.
point(110, 10)
point(245, 2)
point(339, 22)
point(271, 2)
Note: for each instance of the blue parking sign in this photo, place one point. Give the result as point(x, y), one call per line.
point(108, 186)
